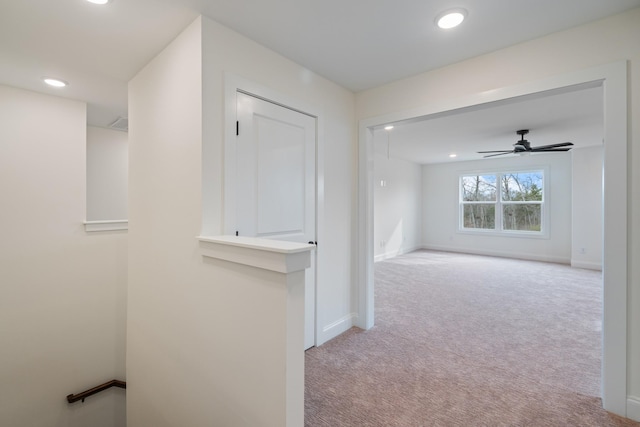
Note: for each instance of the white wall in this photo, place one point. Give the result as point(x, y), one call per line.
point(171, 327)
point(397, 203)
point(586, 250)
point(440, 219)
point(200, 336)
point(62, 309)
point(586, 46)
point(107, 174)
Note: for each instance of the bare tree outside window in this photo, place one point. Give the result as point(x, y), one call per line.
point(476, 191)
point(510, 201)
point(521, 194)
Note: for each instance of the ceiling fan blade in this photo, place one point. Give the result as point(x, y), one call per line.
point(496, 151)
point(548, 150)
point(562, 144)
point(499, 154)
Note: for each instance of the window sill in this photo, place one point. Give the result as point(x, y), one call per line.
point(106, 225)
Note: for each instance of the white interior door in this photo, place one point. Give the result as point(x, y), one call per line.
point(276, 181)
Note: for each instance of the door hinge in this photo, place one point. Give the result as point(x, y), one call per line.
point(237, 128)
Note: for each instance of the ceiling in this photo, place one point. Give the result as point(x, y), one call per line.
point(573, 115)
point(358, 44)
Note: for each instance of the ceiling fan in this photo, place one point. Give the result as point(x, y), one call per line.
point(523, 146)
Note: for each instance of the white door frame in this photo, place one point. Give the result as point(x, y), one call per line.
point(613, 78)
point(232, 85)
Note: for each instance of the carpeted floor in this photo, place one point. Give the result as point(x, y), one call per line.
point(465, 340)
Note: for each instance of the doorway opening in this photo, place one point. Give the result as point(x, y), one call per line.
point(613, 78)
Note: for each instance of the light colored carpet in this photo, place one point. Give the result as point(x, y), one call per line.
point(464, 340)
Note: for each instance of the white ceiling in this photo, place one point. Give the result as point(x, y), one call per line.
point(356, 43)
point(574, 115)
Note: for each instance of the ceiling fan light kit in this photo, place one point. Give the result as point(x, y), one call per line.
point(524, 147)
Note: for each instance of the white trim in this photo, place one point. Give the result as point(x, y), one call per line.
point(613, 78)
point(274, 255)
point(365, 277)
point(615, 255)
point(106, 225)
point(267, 245)
point(336, 328)
point(633, 408)
point(586, 265)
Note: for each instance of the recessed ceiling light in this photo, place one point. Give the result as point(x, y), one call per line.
point(54, 82)
point(98, 1)
point(388, 127)
point(451, 18)
point(452, 155)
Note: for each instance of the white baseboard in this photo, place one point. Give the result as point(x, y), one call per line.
point(336, 328)
point(392, 254)
point(633, 408)
point(516, 255)
point(586, 265)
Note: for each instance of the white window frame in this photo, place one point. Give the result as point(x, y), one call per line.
point(499, 204)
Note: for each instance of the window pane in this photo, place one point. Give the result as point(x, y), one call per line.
point(478, 188)
point(522, 186)
point(522, 217)
point(479, 215)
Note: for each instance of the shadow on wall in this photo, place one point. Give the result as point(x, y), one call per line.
point(392, 244)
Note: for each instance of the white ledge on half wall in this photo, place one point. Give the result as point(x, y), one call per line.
point(106, 225)
point(275, 255)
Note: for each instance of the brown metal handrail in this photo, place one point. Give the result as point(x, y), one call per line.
point(81, 396)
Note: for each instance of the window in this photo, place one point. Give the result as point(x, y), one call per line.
point(506, 202)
